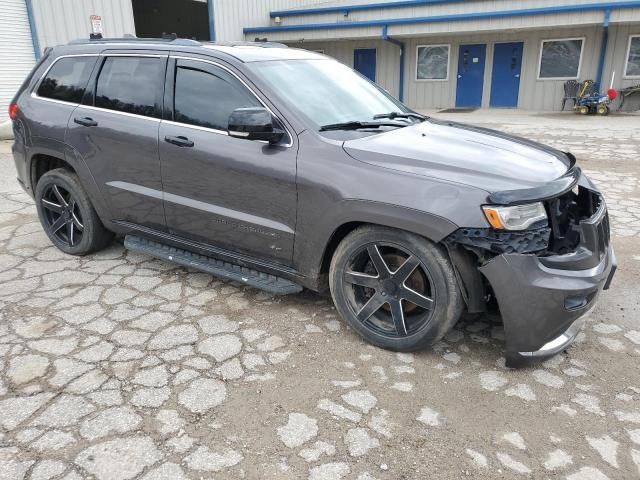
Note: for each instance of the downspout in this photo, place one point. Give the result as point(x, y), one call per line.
point(212, 22)
point(34, 30)
point(402, 55)
point(603, 47)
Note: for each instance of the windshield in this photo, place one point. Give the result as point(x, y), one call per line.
point(326, 91)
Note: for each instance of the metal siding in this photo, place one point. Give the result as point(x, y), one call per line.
point(534, 94)
point(616, 61)
point(60, 21)
point(260, 17)
point(16, 51)
point(231, 16)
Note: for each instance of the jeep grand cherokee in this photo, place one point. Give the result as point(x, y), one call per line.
point(283, 169)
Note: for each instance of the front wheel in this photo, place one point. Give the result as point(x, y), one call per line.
point(67, 215)
point(396, 289)
point(603, 110)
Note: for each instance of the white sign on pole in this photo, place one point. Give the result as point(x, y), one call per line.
point(96, 24)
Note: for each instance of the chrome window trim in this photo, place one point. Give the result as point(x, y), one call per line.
point(169, 122)
point(228, 70)
point(92, 107)
point(195, 127)
point(118, 112)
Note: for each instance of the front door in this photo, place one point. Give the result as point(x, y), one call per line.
point(505, 77)
point(115, 132)
point(228, 192)
point(364, 61)
point(470, 75)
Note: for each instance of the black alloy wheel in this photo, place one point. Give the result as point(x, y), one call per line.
point(67, 215)
point(389, 289)
point(62, 216)
point(396, 289)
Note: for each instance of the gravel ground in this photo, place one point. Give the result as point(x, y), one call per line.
point(119, 366)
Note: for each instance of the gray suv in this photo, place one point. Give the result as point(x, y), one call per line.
point(282, 169)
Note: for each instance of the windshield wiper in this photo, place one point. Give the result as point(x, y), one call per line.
point(393, 115)
point(355, 125)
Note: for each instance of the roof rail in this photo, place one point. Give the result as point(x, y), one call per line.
point(243, 43)
point(171, 38)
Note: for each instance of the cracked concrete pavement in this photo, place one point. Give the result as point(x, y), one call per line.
point(118, 366)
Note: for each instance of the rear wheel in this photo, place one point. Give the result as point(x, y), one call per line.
point(67, 215)
point(583, 110)
point(396, 289)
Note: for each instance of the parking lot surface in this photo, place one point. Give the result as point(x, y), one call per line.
point(116, 366)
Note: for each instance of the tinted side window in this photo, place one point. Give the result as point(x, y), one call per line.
point(207, 98)
point(67, 79)
point(131, 84)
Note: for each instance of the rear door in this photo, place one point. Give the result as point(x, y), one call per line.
point(234, 193)
point(115, 132)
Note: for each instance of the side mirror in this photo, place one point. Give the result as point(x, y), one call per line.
point(254, 123)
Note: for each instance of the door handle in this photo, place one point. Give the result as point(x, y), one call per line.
point(459, 76)
point(517, 75)
point(86, 122)
point(180, 141)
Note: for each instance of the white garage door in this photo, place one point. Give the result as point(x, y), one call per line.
point(16, 51)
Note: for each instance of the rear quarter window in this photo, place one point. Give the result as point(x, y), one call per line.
point(67, 79)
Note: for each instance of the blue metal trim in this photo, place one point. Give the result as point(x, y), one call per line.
point(354, 8)
point(584, 7)
point(402, 55)
point(212, 21)
point(603, 47)
point(34, 30)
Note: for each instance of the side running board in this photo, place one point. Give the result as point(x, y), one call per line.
point(212, 266)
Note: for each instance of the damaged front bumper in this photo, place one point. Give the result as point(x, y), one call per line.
point(541, 306)
point(546, 278)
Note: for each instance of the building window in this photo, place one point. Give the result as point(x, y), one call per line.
point(632, 70)
point(560, 59)
point(432, 62)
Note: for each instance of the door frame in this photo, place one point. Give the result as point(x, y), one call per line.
point(375, 71)
point(522, 60)
point(484, 73)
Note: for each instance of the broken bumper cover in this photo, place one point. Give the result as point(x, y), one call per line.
point(541, 305)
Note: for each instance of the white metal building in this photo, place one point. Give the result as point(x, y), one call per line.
point(431, 53)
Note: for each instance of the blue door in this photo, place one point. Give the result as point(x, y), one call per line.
point(505, 77)
point(364, 61)
point(470, 75)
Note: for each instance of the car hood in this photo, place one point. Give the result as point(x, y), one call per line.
point(483, 158)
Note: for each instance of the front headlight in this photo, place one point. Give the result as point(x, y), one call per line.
point(518, 217)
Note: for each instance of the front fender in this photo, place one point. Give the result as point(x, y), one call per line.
point(313, 239)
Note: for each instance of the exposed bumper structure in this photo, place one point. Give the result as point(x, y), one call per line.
point(541, 299)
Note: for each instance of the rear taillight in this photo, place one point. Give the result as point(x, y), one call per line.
point(13, 111)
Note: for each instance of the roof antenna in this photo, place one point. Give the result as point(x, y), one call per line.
point(169, 36)
point(95, 36)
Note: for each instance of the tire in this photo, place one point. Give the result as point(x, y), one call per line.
point(67, 215)
point(356, 283)
point(603, 110)
point(583, 110)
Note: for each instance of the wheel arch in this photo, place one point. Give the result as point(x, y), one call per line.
point(316, 243)
point(50, 154)
point(41, 163)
